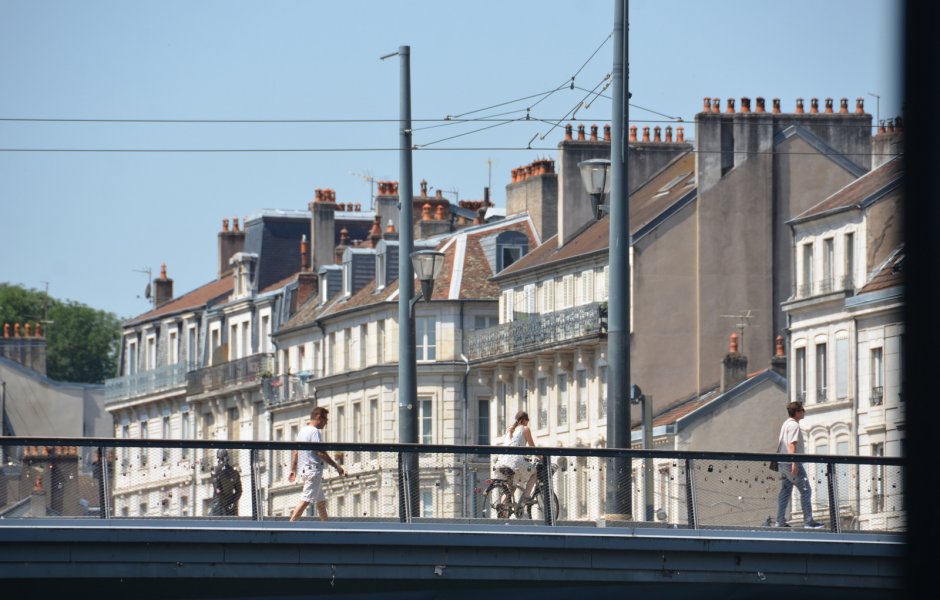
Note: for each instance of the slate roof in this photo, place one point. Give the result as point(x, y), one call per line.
point(209, 294)
point(861, 192)
point(648, 205)
point(471, 276)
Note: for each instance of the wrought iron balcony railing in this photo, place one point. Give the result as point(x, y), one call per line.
point(231, 373)
point(538, 331)
point(145, 382)
point(284, 388)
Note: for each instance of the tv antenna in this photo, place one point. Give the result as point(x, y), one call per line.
point(367, 176)
point(456, 193)
point(148, 291)
point(743, 318)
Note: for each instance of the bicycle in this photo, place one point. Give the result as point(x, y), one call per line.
point(506, 500)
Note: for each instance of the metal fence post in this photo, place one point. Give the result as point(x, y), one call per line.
point(833, 497)
point(255, 491)
point(690, 493)
point(544, 470)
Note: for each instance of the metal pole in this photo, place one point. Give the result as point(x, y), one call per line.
point(648, 462)
point(407, 371)
point(619, 477)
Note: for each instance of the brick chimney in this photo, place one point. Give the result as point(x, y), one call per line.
point(162, 288)
point(230, 244)
point(733, 366)
point(28, 350)
point(323, 228)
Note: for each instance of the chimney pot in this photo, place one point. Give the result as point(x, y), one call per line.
point(606, 133)
point(424, 188)
point(776, 108)
point(656, 136)
point(707, 107)
point(733, 349)
point(760, 105)
point(668, 134)
point(390, 228)
point(745, 105)
point(829, 105)
point(16, 330)
point(881, 127)
point(426, 212)
point(779, 346)
point(6, 330)
point(304, 257)
point(235, 224)
point(814, 106)
point(27, 327)
point(860, 106)
point(633, 133)
point(593, 133)
point(799, 106)
point(680, 134)
point(890, 125)
point(224, 224)
point(39, 330)
point(646, 134)
point(343, 237)
point(730, 105)
point(439, 213)
point(580, 133)
point(716, 105)
point(162, 270)
point(568, 132)
point(843, 106)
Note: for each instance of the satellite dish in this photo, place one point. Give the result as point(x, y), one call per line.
point(147, 292)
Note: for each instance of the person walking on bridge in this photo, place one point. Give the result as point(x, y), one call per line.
point(793, 474)
point(311, 465)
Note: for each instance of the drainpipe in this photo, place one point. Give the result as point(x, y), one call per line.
point(466, 407)
point(319, 323)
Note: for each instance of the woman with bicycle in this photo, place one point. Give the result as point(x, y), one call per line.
point(518, 434)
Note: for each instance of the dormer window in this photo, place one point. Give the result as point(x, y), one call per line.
point(380, 260)
point(245, 268)
point(347, 275)
point(510, 247)
point(324, 289)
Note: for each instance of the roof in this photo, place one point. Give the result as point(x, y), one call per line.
point(647, 205)
point(888, 275)
point(860, 193)
point(208, 294)
point(466, 274)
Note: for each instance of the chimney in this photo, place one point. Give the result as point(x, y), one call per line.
point(162, 288)
point(304, 255)
point(29, 351)
point(230, 244)
point(760, 104)
point(778, 362)
point(386, 203)
point(322, 229)
point(307, 286)
point(733, 366)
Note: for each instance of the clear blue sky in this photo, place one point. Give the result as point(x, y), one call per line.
point(84, 221)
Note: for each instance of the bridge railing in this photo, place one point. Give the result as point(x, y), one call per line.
point(153, 479)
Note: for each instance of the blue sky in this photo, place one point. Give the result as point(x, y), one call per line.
point(84, 222)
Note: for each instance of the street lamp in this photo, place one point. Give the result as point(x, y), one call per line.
point(595, 174)
point(427, 266)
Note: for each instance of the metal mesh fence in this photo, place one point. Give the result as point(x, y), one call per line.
point(568, 487)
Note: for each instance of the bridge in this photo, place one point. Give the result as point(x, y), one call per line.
point(64, 527)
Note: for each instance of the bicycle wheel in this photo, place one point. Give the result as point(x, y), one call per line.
point(498, 500)
point(536, 510)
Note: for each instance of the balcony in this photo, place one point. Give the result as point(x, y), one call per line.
point(877, 395)
point(144, 383)
point(285, 388)
point(232, 373)
point(537, 332)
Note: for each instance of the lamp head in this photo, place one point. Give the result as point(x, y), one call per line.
point(427, 266)
point(595, 175)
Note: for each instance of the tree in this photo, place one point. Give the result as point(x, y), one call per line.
point(81, 342)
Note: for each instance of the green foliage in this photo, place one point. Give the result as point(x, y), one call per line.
point(81, 342)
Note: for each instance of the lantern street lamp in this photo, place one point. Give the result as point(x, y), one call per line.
point(595, 174)
point(427, 265)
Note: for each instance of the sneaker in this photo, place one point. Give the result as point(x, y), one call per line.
point(781, 524)
point(813, 525)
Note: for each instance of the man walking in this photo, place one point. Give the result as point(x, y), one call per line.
point(311, 465)
point(792, 473)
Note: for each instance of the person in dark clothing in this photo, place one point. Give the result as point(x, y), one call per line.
point(227, 483)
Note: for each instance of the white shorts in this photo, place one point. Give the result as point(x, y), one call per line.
point(313, 486)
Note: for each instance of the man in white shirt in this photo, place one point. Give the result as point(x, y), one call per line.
point(311, 465)
point(792, 473)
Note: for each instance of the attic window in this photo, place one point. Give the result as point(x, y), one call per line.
point(510, 247)
point(347, 277)
point(380, 258)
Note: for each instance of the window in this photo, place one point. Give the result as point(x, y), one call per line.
point(347, 276)
point(483, 422)
point(374, 504)
point(842, 368)
point(245, 343)
point(216, 337)
point(142, 509)
point(510, 247)
point(333, 361)
point(426, 338)
point(357, 505)
point(505, 306)
point(582, 399)
point(357, 428)
point(541, 385)
point(848, 278)
point(877, 480)
point(279, 464)
point(562, 396)
point(265, 334)
point(191, 351)
point(800, 374)
point(523, 394)
point(348, 349)
point(131, 358)
point(340, 423)
point(484, 321)
point(425, 420)
point(427, 503)
point(341, 506)
point(233, 343)
point(173, 355)
point(167, 434)
point(586, 288)
point(568, 287)
point(828, 260)
point(820, 480)
point(501, 408)
point(144, 434)
point(185, 429)
point(821, 379)
point(602, 392)
point(361, 340)
point(125, 451)
point(374, 423)
point(151, 358)
point(234, 424)
point(877, 376)
point(184, 506)
point(380, 341)
point(806, 281)
point(548, 296)
point(380, 271)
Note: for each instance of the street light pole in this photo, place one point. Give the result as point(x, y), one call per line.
point(407, 371)
point(619, 476)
